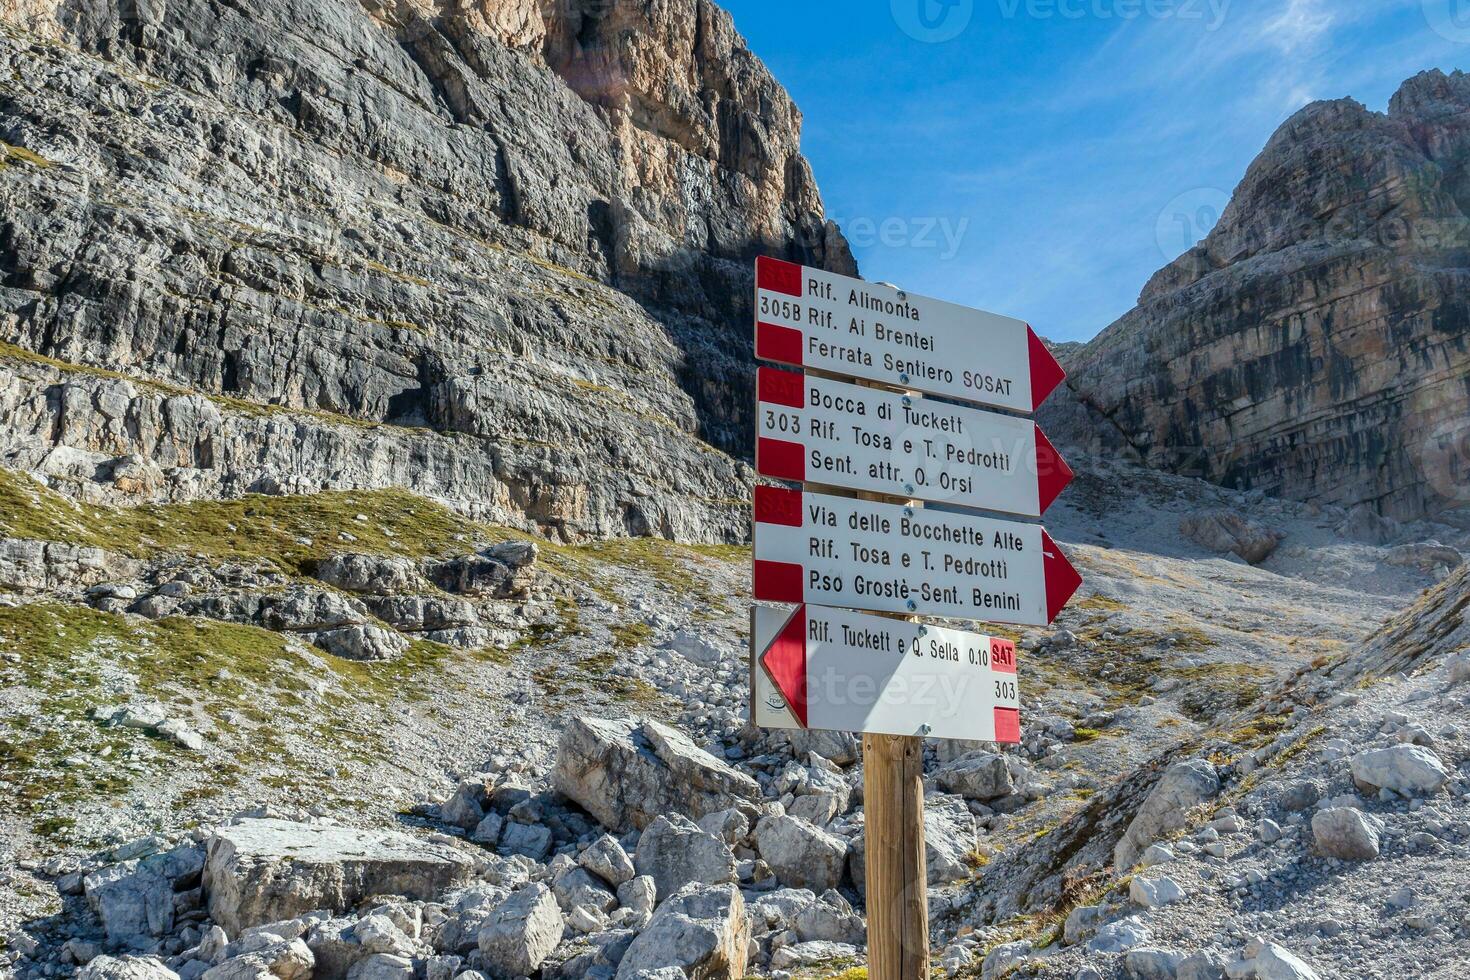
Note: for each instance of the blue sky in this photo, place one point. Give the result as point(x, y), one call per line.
point(1043, 158)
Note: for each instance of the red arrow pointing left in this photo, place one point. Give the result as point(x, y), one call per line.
point(785, 662)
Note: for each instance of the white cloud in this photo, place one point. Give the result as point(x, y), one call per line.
point(1300, 25)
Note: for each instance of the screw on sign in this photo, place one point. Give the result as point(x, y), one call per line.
point(894, 680)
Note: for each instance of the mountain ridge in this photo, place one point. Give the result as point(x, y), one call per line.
point(1314, 344)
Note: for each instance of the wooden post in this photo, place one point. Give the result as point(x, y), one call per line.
point(897, 874)
point(898, 901)
point(893, 808)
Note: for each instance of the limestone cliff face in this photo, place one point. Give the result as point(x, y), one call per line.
point(1317, 343)
point(492, 250)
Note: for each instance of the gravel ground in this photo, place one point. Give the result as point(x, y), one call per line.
point(1166, 642)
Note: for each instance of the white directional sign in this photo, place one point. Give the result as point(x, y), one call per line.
point(815, 319)
point(842, 435)
point(844, 671)
point(888, 558)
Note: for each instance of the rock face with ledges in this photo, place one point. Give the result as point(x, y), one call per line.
point(37, 565)
point(1316, 344)
point(495, 255)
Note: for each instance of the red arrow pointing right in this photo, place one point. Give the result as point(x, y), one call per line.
point(1052, 472)
point(1046, 373)
point(1062, 579)
point(785, 661)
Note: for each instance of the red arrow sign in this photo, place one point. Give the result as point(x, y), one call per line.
point(810, 318)
point(865, 438)
point(1046, 373)
point(1062, 579)
point(785, 661)
point(837, 670)
point(1052, 472)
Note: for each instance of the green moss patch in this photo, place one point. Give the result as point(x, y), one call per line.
point(286, 532)
point(681, 568)
point(626, 636)
point(1115, 663)
point(20, 155)
point(242, 687)
point(1259, 731)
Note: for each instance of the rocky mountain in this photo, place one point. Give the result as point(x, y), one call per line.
point(483, 252)
point(1316, 344)
point(372, 386)
point(547, 770)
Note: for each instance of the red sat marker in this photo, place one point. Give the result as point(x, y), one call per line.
point(839, 670)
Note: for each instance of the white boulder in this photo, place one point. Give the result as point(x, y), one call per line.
point(1409, 770)
point(1275, 962)
point(1154, 892)
point(703, 931)
point(267, 870)
point(126, 968)
point(1183, 786)
point(627, 772)
point(522, 932)
point(606, 859)
point(982, 776)
point(674, 852)
point(801, 854)
point(1347, 833)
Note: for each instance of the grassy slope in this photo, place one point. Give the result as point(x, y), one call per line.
point(268, 703)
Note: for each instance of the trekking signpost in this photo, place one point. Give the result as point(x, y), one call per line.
point(892, 433)
point(811, 429)
point(849, 328)
point(833, 669)
point(900, 559)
